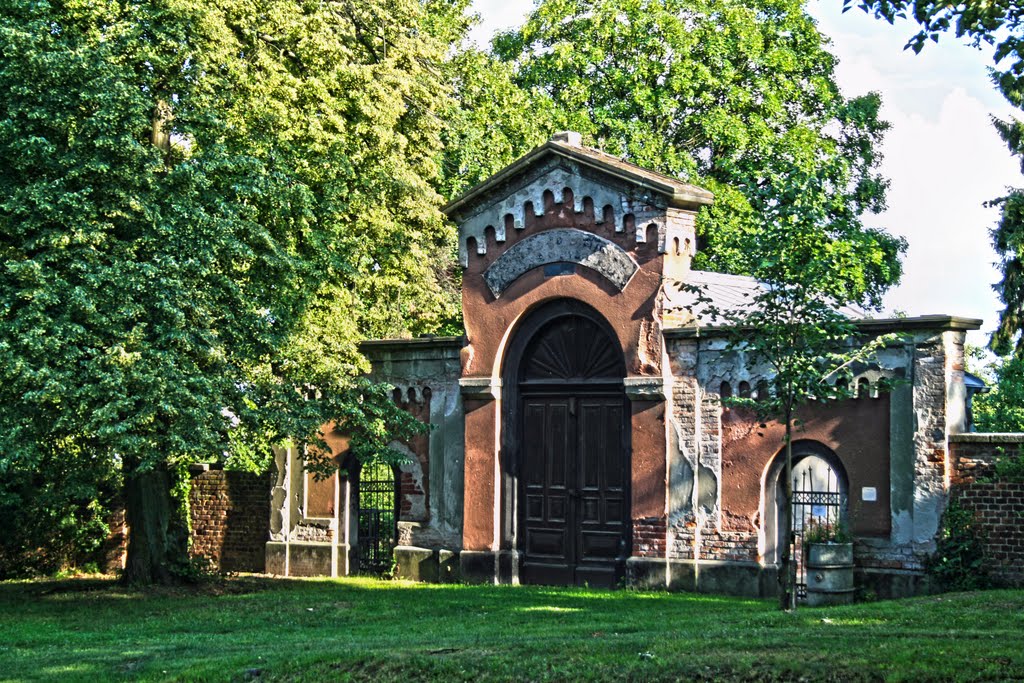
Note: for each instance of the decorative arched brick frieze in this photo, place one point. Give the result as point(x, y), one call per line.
point(567, 245)
point(564, 181)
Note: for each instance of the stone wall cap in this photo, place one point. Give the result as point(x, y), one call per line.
point(679, 194)
point(876, 325)
point(200, 467)
point(643, 381)
point(645, 388)
point(480, 387)
point(983, 437)
point(415, 343)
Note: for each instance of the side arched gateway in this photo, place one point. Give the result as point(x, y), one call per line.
point(567, 434)
point(820, 495)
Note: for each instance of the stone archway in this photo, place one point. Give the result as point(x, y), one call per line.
point(820, 496)
point(567, 428)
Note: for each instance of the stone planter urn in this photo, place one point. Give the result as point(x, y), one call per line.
point(829, 574)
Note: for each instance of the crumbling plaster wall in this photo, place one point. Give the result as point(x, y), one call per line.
point(425, 375)
point(912, 424)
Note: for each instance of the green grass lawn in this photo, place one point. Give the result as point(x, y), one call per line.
point(362, 629)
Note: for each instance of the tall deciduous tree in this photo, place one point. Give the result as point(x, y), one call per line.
point(1001, 408)
point(489, 120)
point(733, 95)
point(197, 199)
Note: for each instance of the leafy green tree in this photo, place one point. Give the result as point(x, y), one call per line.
point(203, 207)
point(56, 515)
point(490, 121)
point(734, 96)
point(1008, 241)
point(793, 330)
point(1001, 409)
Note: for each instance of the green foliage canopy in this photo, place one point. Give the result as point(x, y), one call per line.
point(203, 207)
point(734, 96)
point(1001, 409)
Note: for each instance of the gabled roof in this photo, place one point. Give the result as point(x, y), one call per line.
point(728, 294)
point(568, 146)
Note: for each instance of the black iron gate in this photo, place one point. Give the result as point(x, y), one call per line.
point(378, 518)
point(813, 508)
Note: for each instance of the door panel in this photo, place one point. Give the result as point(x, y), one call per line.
point(574, 530)
point(601, 535)
point(546, 528)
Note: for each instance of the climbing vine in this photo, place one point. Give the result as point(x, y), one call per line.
point(959, 559)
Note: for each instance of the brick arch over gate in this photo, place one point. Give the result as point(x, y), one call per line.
point(565, 447)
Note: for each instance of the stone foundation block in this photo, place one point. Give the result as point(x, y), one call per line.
point(891, 584)
point(416, 564)
point(743, 579)
point(447, 566)
point(275, 554)
point(300, 558)
point(485, 566)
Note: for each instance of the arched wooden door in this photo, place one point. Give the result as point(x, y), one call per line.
point(573, 451)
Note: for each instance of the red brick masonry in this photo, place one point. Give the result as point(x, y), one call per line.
point(998, 505)
point(230, 518)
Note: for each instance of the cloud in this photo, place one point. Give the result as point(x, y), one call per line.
point(942, 156)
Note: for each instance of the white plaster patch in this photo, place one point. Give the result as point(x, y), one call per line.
point(417, 501)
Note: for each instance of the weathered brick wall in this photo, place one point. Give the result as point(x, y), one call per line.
point(727, 543)
point(998, 505)
point(230, 518)
point(414, 476)
point(736, 546)
point(649, 537)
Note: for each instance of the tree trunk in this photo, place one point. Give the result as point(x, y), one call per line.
point(787, 572)
point(156, 540)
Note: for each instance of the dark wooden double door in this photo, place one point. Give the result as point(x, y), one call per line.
point(574, 492)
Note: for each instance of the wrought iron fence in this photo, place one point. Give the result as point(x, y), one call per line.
point(811, 507)
point(378, 518)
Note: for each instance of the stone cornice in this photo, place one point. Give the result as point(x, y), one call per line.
point(877, 326)
point(645, 388)
point(480, 388)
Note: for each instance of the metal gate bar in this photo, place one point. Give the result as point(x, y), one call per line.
point(378, 518)
point(812, 507)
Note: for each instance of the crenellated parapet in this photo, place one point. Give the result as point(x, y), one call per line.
point(628, 205)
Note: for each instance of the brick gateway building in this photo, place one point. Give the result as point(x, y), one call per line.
point(578, 433)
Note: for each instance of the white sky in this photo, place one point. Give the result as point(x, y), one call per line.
point(942, 155)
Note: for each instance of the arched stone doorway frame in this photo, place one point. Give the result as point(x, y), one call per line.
point(377, 506)
point(518, 341)
point(771, 493)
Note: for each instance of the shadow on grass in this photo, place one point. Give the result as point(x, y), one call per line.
point(364, 629)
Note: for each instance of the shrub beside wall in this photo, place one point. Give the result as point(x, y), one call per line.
point(988, 481)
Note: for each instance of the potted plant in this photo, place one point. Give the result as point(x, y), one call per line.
point(829, 556)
